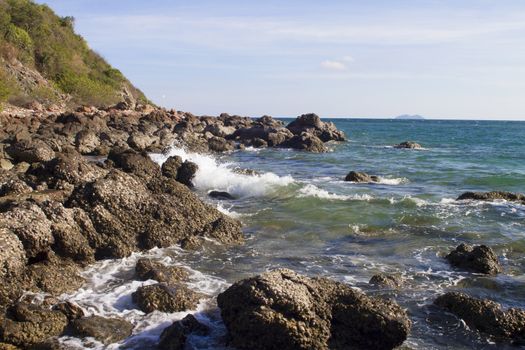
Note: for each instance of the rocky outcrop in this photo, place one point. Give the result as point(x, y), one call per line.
point(479, 258)
point(306, 142)
point(486, 316)
point(312, 124)
point(220, 195)
point(359, 177)
point(174, 337)
point(161, 297)
point(105, 330)
point(408, 145)
point(386, 281)
point(186, 173)
point(147, 269)
point(491, 196)
point(284, 310)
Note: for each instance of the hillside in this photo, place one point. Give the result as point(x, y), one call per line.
point(42, 59)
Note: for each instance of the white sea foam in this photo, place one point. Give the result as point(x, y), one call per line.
point(393, 181)
point(310, 190)
point(215, 175)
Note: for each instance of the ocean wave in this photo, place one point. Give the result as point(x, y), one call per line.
point(215, 175)
point(310, 190)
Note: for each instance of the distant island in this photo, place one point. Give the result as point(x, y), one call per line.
point(410, 117)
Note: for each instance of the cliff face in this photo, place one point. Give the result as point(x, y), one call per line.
point(43, 60)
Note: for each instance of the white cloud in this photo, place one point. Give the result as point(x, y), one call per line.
point(348, 59)
point(333, 65)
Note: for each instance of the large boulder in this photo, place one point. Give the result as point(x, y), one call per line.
point(105, 330)
point(311, 123)
point(12, 255)
point(86, 141)
point(147, 269)
point(28, 324)
point(386, 281)
point(284, 310)
point(306, 142)
point(491, 196)
point(30, 151)
point(486, 316)
point(174, 337)
point(220, 144)
point(187, 172)
point(479, 258)
point(161, 297)
point(171, 167)
point(133, 162)
point(359, 177)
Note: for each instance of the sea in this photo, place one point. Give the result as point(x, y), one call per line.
point(298, 212)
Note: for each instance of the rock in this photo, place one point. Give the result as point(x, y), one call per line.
point(5, 164)
point(171, 166)
point(408, 145)
point(5, 346)
point(140, 142)
point(220, 144)
point(14, 187)
point(53, 276)
point(187, 172)
point(386, 281)
point(491, 196)
point(105, 330)
point(174, 336)
point(29, 223)
point(486, 316)
point(147, 269)
point(305, 141)
point(30, 151)
point(312, 124)
point(134, 163)
point(221, 195)
point(284, 310)
point(86, 141)
point(70, 310)
point(12, 255)
point(259, 143)
point(479, 258)
point(164, 298)
point(29, 324)
point(359, 177)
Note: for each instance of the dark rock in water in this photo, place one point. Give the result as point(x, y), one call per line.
point(147, 269)
point(486, 316)
point(105, 330)
point(386, 281)
point(490, 196)
point(220, 195)
point(28, 324)
point(312, 124)
point(174, 336)
point(133, 162)
point(220, 144)
point(259, 143)
point(408, 145)
point(284, 310)
point(171, 166)
point(165, 298)
point(249, 172)
point(360, 177)
point(305, 141)
point(187, 172)
point(479, 258)
point(70, 310)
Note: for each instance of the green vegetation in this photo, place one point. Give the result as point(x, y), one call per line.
point(34, 35)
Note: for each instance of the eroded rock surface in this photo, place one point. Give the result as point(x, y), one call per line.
point(479, 258)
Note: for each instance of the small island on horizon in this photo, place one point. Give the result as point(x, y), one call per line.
point(410, 117)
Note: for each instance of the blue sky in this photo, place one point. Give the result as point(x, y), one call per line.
point(437, 58)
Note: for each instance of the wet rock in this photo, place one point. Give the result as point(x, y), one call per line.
point(134, 163)
point(70, 310)
point(486, 316)
point(87, 142)
point(28, 324)
point(174, 336)
point(259, 143)
point(105, 330)
point(186, 173)
point(30, 151)
point(284, 310)
point(161, 297)
point(147, 269)
point(408, 145)
point(192, 243)
point(479, 258)
point(305, 141)
point(220, 195)
point(360, 177)
point(171, 166)
point(491, 196)
point(220, 144)
point(386, 281)
point(275, 139)
point(311, 123)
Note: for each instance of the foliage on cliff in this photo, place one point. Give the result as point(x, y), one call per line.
point(33, 38)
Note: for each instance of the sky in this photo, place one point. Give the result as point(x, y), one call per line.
point(337, 58)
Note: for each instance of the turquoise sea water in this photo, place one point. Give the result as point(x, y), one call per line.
point(300, 214)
